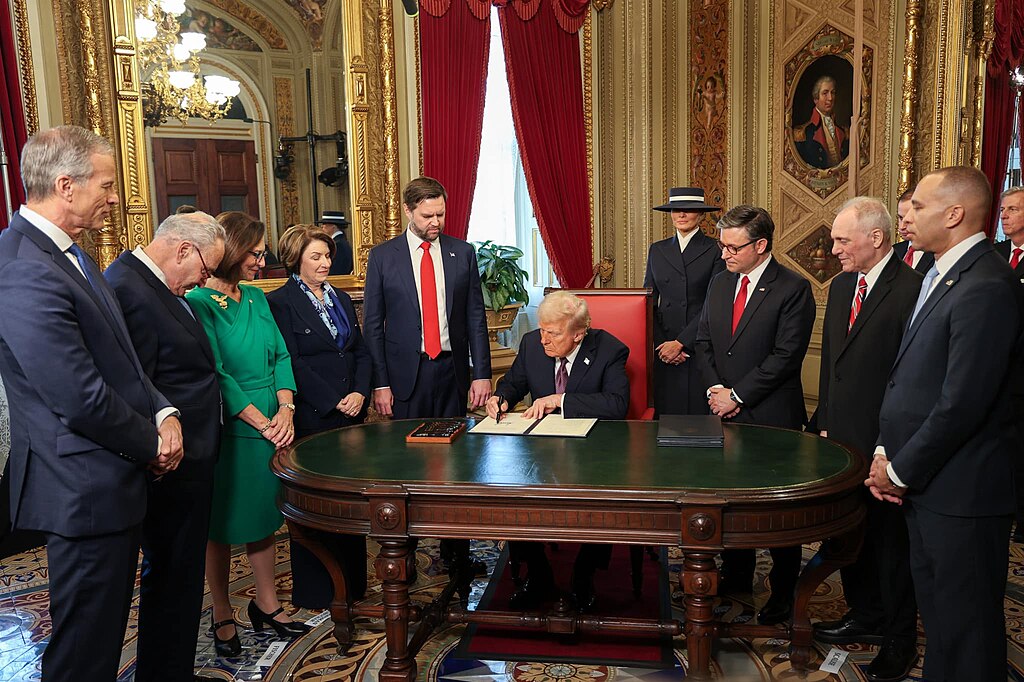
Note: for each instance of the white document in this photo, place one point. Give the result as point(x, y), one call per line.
point(511, 424)
point(557, 425)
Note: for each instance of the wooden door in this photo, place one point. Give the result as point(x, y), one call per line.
point(212, 175)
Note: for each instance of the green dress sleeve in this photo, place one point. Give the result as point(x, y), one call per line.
point(235, 399)
point(284, 376)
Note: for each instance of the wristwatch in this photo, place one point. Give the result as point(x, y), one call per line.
point(733, 397)
point(290, 406)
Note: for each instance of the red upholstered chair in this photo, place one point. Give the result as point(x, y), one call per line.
point(628, 315)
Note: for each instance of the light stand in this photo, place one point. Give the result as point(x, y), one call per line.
point(5, 178)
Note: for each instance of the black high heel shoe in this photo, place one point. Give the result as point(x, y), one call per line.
point(260, 619)
point(230, 647)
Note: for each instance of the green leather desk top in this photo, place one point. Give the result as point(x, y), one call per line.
point(616, 454)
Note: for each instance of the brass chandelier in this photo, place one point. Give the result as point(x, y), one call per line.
point(173, 86)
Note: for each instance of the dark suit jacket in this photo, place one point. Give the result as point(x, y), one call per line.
point(82, 408)
point(324, 374)
point(761, 362)
point(342, 262)
point(174, 351)
point(946, 415)
point(391, 315)
point(923, 265)
point(597, 386)
point(1003, 248)
point(855, 366)
point(813, 147)
point(680, 283)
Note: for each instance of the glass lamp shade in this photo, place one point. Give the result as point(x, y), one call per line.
point(145, 29)
point(182, 80)
point(173, 7)
point(193, 41)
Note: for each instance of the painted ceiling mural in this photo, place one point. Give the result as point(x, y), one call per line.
point(220, 34)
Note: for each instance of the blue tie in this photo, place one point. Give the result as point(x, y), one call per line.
point(85, 263)
point(926, 288)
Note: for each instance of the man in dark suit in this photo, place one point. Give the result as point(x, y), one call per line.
point(868, 308)
point(1011, 215)
point(86, 421)
point(423, 317)
point(946, 437)
point(919, 260)
point(679, 270)
point(753, 334)
point(175, 353)
point(565, 365)
point(334, 223)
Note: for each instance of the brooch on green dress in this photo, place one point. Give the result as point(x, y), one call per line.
point(221, 300)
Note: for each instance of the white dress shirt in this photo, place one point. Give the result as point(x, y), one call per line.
point(685, 239)
point(872, 275)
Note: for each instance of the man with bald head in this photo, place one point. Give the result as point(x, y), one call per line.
point(946, 437)
point(869, 304)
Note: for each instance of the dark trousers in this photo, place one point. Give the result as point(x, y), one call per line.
point(738, 564)
point(590, 558)
point(878, 585)
point(91, 581)
point(959, 566)
point(174, 535)
point(436, 393)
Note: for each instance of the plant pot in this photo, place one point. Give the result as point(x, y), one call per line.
point(499, 321)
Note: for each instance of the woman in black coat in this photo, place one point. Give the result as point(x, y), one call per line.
point(332, 376)
point(679, 270)
point(318, 322)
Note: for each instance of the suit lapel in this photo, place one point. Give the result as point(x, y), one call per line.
point(404, 271)
point(170, 301)
point(669, 249)
point(756, 297)
point(581, 365)
point(451, 272)
point(698, 246)
point(304, 308)
point(875, 297)
point(723, 293)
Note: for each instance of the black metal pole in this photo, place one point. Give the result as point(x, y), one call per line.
point(311, 138)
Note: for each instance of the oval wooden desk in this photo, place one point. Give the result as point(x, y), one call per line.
point(766, 488)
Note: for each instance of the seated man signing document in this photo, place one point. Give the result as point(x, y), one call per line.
point(566, 365)
point(582, 371)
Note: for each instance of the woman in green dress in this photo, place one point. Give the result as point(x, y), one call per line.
point(257, 387)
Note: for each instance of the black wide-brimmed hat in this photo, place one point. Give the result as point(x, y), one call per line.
point(686, 199)
point(334, 218)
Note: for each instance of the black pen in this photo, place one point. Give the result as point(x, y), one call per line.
point(497, 420)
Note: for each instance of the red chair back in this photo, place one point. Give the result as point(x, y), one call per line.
point(628, 315)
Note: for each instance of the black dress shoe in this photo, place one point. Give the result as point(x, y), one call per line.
point(260, 620)
point(532, 594)
point(230, 647)
point(893, 663)
point(846, 631)
point(1018, 533)
point(583, 593)
point(776, 610)
point(729, 583)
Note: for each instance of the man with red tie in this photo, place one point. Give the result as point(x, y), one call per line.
point(869, 304)
point(423, 318)
point(921, 261)
point(751, 341)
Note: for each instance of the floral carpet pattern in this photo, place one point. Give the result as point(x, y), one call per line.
point(25, 629)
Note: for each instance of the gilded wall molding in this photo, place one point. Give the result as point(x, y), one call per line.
point(911, 95)
point(284, 109)
point(256, 21)
point(950, 93)
point(982, 51)
point(25, 71)
point(392, 213)
point(588, 119)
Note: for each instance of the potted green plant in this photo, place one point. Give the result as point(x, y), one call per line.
point(504, 288)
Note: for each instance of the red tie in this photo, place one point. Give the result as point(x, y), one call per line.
point(428, 304)
point(1016, 257)
point(909, 257)
point(740, 303)
point(858, 301)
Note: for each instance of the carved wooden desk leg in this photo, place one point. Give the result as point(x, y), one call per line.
point(344, 628)
point(392, 565)
point(699, 581)
point(834, 553)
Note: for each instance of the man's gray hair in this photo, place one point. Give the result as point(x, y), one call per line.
point(64, 150)
point(870, 214)
point(1011, 191)
point(202, 229)
point(816, 90)
point(561, 305)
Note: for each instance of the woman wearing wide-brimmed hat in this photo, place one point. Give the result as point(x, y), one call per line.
point(679, 270)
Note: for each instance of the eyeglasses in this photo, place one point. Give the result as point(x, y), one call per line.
point(206, 270)
point(733, 250)
point(258, 255)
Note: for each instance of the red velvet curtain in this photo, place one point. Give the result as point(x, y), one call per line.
point(12, 113)
point(542, 57)
point(1000, 96)
point(454, 46)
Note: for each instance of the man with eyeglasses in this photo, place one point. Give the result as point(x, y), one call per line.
point(751, 341)
point(175, 353)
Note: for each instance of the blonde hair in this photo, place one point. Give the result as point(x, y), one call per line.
point(561, 305)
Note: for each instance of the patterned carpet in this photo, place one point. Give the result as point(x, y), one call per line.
point(25, 627)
